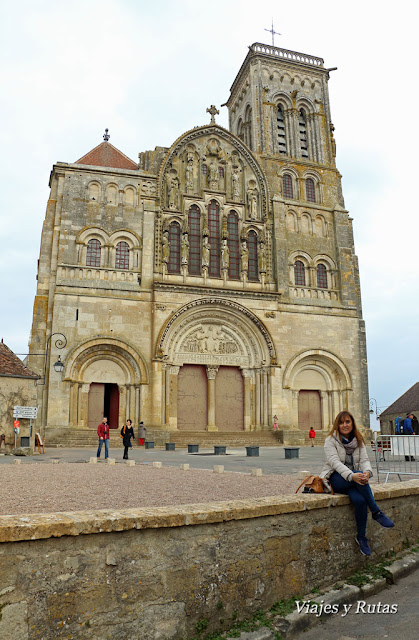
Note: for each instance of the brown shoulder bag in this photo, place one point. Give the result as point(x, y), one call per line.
point(315, 484)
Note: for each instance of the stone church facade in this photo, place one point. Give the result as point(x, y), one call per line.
point(214, 284)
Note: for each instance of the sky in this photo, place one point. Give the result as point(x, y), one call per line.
point(148, 71)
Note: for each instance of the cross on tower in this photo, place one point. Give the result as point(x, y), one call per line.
point(272, 32)
point(213, 111)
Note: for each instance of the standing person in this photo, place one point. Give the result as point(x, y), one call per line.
point(408, 431)
point(275, 419)
point(348, 470)
point(103, 433)
point(415, 424)
point(127, 432)
point(312, 435)
point(141, 433)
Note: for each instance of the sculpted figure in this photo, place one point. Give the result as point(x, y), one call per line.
point(172, 192)
point(189, 176)
point(262, 258)
point(235, 183)
point(244, 256)
point(252, 202)
point(165, 247)
point(206, 252)
point(225, 255)
point(213, 173)
point(185, 249)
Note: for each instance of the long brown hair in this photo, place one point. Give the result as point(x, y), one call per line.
point(334, 431)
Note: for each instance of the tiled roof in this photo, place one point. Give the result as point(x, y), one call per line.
point(409, 401)
point(11, 365)
point(106, 155)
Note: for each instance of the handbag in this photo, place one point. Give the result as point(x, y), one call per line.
point(315, 484)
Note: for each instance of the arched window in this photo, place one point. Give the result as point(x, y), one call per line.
point(204, 169)
point(93, 253)
point(248, 127)
point(252, 245)
point(321, 276)
point(214, 238)
point(303, 134)
point(280, 122)
point(287, 186)
point(310, 190)
point(122, 255)
point(173, 265)
point(194, 222)
point(240, 130)
point(299, 273)
point(233, 245)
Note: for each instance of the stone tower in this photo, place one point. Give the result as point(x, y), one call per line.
point(213, 285)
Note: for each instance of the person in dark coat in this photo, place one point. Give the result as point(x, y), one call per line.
point(127, 432)
point(415, 424)
point(408, 431)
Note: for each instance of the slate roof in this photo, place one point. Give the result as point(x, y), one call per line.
point(409, 401)
point(11, 365)
point(106, 155)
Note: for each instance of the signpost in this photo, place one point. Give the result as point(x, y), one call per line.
point(28, 413)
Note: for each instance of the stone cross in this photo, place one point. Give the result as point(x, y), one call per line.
point(213, 111)
point(272, 32)
point(106, 135)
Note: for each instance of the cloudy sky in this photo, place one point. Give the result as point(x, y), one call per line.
point(148, 71)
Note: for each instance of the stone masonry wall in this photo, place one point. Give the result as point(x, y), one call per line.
point(154, 573)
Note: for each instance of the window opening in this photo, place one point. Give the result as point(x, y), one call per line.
point(252, 245)
point(310, 190)
point(280, 123)
point(233, 244)
point(299, 273)
point(214, 238)
point(287, 186)
point(321, 276)
point(173, 266)
point(303, 134)
point(194, 222)
point(93, 253)
point(122, 256)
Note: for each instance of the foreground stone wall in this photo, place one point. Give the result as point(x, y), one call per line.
point(154, 573)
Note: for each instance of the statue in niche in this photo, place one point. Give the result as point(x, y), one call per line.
point(165, 247)
point(185, 249)
point(262, 257)
point(244, 256)
point(225, 255)
point(235, 183)
point(173, 192)
point(252, 202)
point(189, 176)
point(213, 175)
point(206, 252)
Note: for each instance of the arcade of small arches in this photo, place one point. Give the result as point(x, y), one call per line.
point(111, 194)
point(121, 250)
point(319, 272)
point(296, 187)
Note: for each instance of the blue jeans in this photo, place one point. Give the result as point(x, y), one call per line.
point(361, 497)
point(99, 449)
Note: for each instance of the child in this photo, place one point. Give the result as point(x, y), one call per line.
point(275, 419)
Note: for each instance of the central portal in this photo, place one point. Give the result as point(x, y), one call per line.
point(229, 403)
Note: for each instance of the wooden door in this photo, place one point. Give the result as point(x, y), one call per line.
point(192, 398)
point(229, 399)
point(96, 401)
point(309, 410)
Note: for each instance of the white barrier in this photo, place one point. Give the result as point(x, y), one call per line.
point(397, 455)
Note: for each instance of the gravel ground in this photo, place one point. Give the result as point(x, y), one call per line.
point(47, 488)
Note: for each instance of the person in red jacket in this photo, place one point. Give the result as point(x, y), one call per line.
point(312, 435)
point(103, 433)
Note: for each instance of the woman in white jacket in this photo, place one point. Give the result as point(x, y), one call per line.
point(348, 470)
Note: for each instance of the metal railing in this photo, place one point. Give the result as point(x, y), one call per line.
point(397, 455)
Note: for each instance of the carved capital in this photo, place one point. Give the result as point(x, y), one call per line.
point(211, 371)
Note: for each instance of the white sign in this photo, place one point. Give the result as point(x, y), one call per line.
point(25, 412)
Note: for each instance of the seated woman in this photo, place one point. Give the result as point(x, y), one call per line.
point(348, 470)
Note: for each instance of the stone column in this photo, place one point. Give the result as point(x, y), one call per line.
point(171, 390)
point(211, 374)
point(294, 409)
point(137, 405)
point(265, 383)
point(247, 375)
point(257, 399)
point(73, 404)
point(127, 401)
point(83, 404)
point(325, 408)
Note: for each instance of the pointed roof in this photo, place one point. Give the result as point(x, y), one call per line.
point(106, 155)
point(11, 365)
point(409, 401)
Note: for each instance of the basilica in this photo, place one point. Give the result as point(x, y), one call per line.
point(213, 284)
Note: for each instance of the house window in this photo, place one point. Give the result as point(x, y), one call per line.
point(173, 265)
point(299, 273)
point(252, 245)
point(303, 134)
point(214, 238)
point(122, 255)
point(280, 123)
point(321, 276)
point(310, 190)
point(93, 253)
point(194, 222)
point(233, 245)
point(287, 186)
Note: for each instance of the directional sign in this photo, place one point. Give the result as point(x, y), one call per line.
point(29, 413)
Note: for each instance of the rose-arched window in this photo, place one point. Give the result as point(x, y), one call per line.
point(93, 253)
point(252, 245)
point(233, 245)
point(194, 223)
point(299, 273)
point(122, 255)
point(287, 185)
point(321, 276)
point(214, 238)
point(173, 265)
